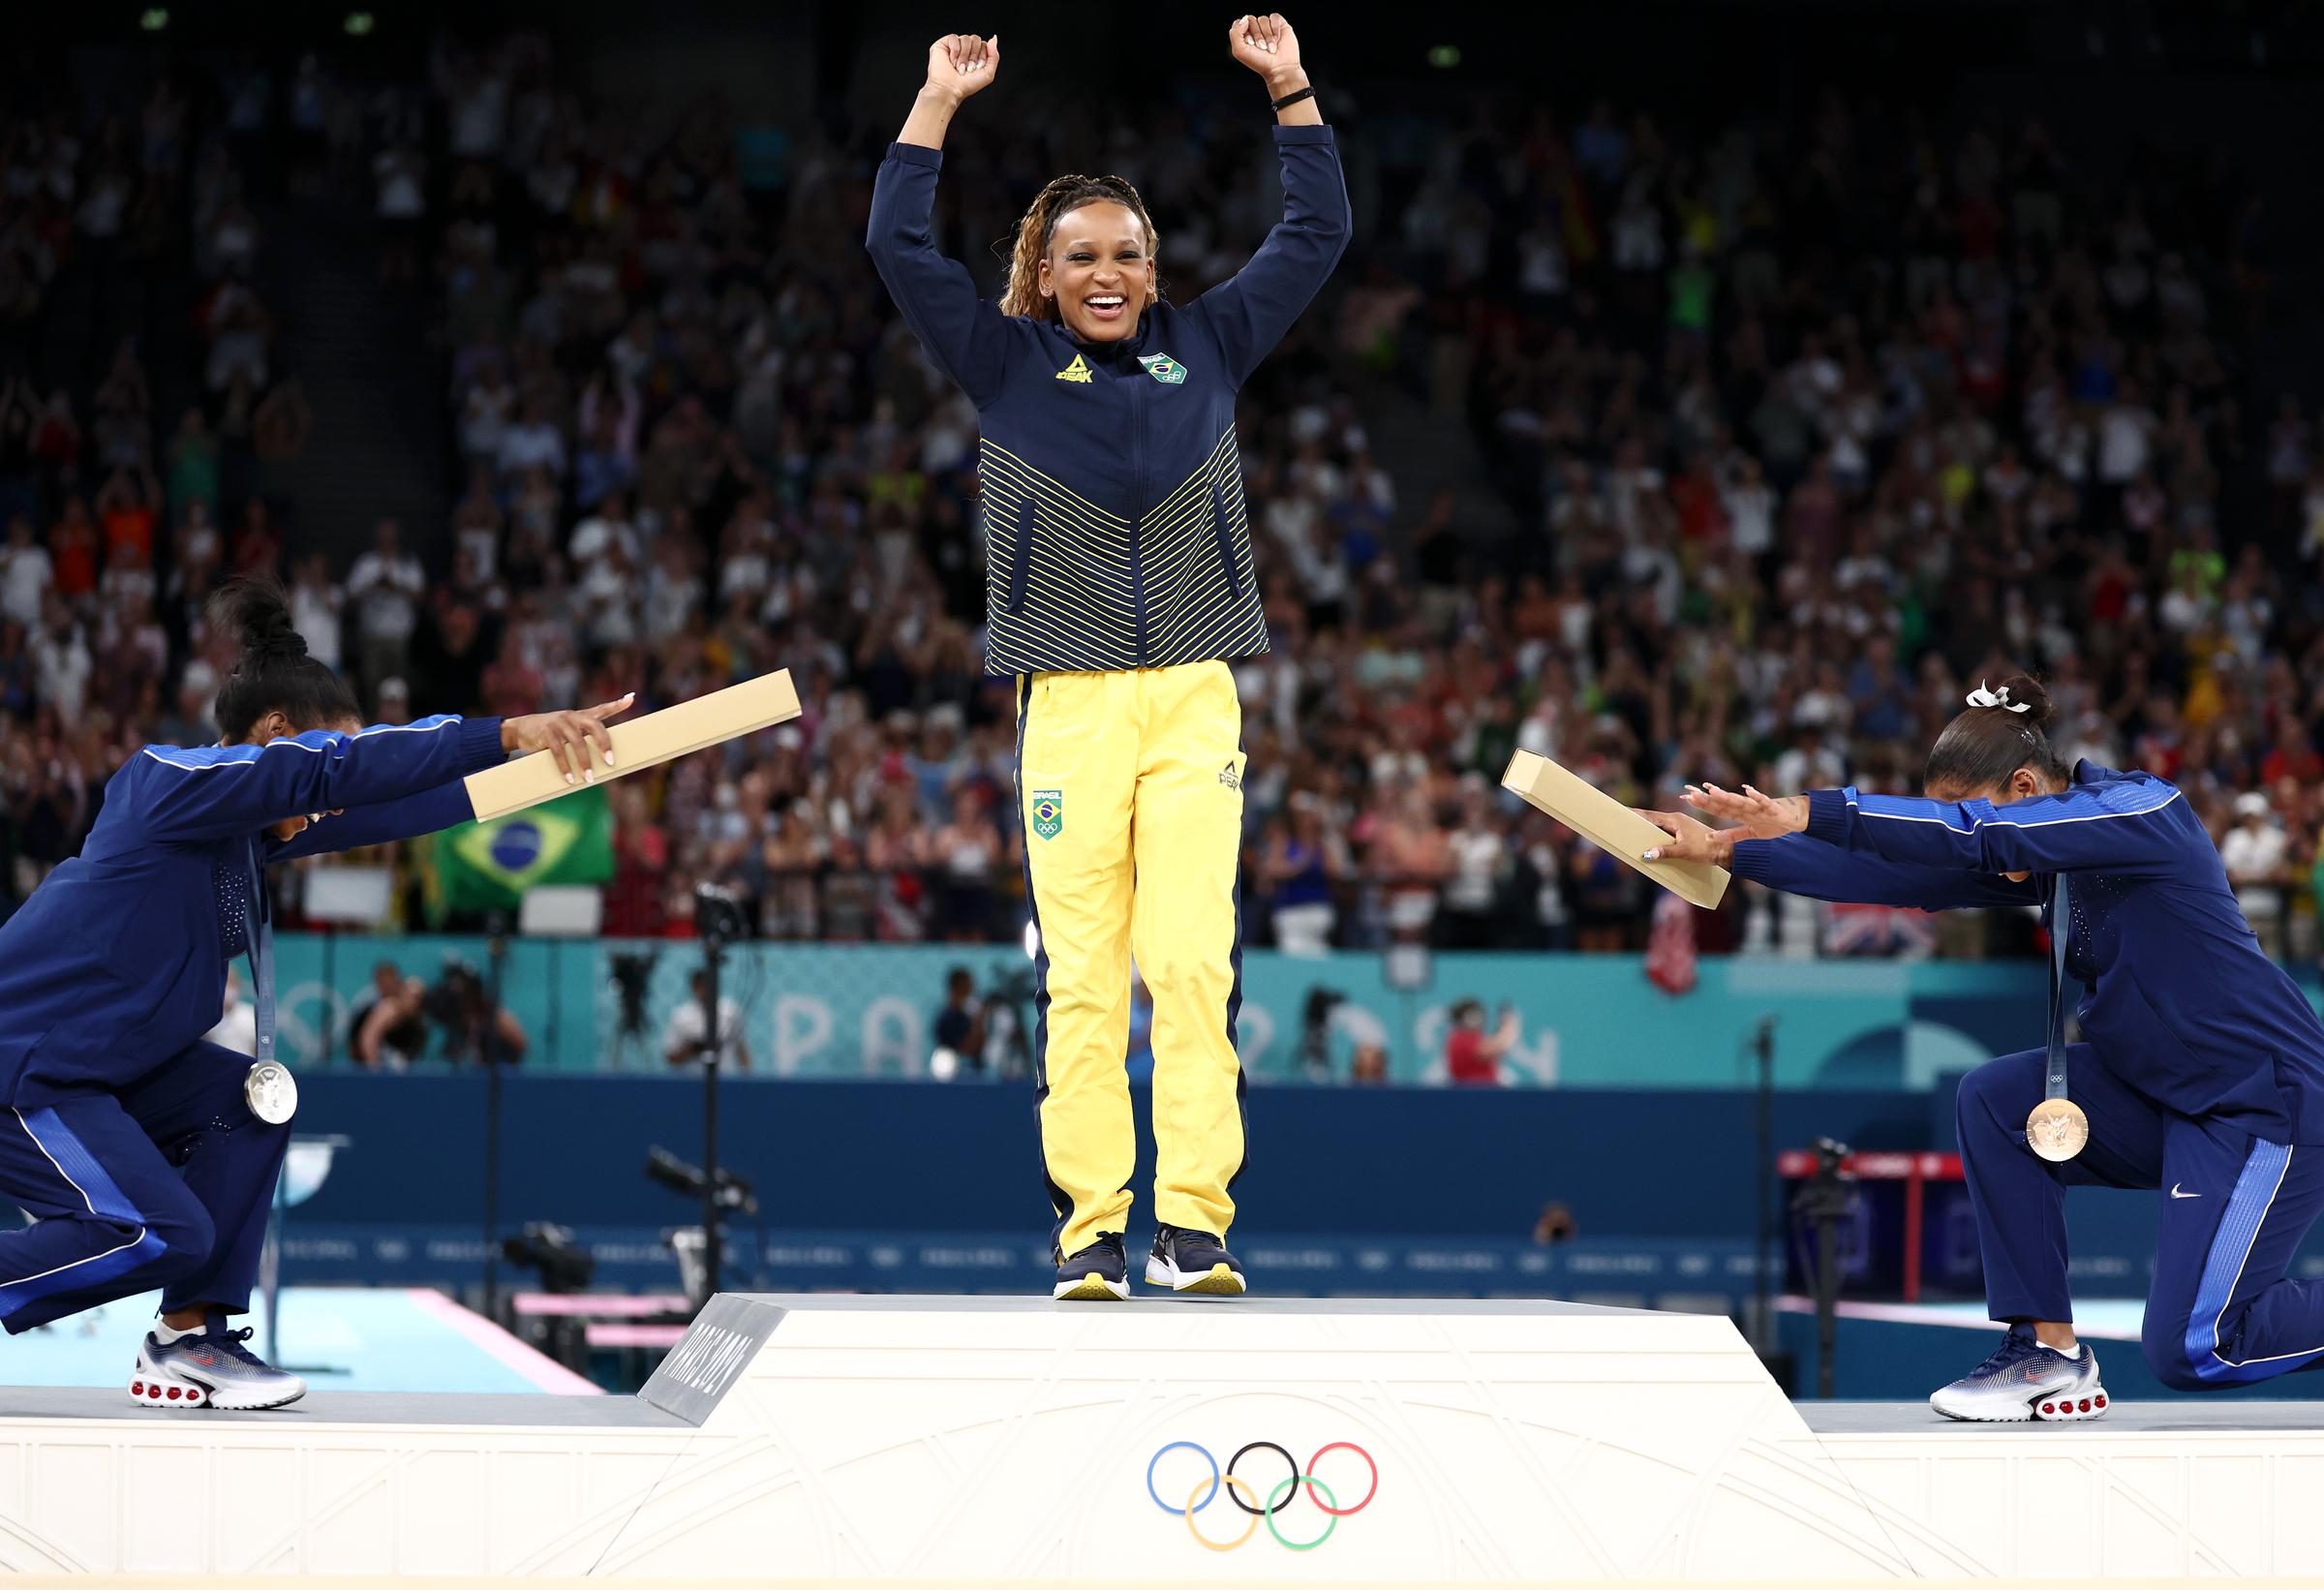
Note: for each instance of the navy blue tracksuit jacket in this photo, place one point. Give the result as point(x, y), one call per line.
point(1114, 527)
point(112, 972)
point(2201, 1066)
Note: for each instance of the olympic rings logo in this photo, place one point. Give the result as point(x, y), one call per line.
point(1238, 1491)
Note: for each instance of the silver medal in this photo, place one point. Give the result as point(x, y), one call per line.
point(271, 1093)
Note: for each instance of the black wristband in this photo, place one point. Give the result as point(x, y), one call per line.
point(1292, 99)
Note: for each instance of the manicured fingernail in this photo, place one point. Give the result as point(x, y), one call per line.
point(569, 778)
point(590, 776)
point(1650, 855)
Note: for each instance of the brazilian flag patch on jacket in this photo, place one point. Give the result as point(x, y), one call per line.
point(1048, 812)
point(1163, 368)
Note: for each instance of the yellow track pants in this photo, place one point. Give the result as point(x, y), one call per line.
point(1130, 787)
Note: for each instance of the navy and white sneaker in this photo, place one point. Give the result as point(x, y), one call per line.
point(2025, 1379)
point(209, 1368)
point(1099, 1273)
point(1193, 1261)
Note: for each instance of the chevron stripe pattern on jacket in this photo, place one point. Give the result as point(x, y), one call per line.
point(1071, 585)
point(1115, 529)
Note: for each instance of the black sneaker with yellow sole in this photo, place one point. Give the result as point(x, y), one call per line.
point(1099, 1273)
point(1193, 1261)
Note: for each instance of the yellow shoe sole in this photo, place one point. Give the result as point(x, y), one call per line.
point(1221, 1282)
point(1091, 1289)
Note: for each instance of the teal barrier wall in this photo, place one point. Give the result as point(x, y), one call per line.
point(1587, 1020)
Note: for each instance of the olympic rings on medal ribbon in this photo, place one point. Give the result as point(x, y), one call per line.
point(1244, 1497)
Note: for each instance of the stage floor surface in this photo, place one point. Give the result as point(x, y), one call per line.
point(2188, 1416)
point(2185, 1416)
point(343, 1338)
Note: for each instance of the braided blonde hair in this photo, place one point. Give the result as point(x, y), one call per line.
point(1021, 292)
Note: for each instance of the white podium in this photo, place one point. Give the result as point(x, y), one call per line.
point(1008, 1440)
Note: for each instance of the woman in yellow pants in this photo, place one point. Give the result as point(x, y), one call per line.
point(1119, 587)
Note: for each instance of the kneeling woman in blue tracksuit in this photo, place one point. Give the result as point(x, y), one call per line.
point(2202, 1073)
point(129, 1139)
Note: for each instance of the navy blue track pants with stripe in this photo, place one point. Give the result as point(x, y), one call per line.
point(165, 1183)
point(2233, 1207)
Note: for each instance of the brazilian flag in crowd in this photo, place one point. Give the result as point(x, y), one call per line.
point(484, 867)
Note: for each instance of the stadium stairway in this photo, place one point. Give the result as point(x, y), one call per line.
point(1427, 449)
point(373, 380)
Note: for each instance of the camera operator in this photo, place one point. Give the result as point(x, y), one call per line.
point(684, 1037)
point(476, 1030)
point(959, 1028)
point(1472, 1055)
point(389, 1025)
point(1315, 1031)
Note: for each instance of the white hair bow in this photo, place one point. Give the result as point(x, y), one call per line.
point(1983, 697)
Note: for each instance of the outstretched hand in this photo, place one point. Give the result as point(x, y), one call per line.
point(1759, 817)
point(959, 64)
point(1690, 841)
point(573, 737)
point(1265, 43)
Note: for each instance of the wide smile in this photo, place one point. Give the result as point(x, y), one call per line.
point(1105, 306)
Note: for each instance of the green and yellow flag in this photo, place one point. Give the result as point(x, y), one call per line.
point(484, 867)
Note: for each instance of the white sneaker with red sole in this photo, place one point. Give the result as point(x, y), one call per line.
point(209, 1368)
point(2024, 1380)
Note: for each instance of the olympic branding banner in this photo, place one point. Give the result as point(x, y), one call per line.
point(813, 1010)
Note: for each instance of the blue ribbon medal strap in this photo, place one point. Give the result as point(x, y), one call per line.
point(2058, 1129)
point(269, 1089)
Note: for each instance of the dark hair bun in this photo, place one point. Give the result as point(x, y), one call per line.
point(255, 610)
point(2024, 690)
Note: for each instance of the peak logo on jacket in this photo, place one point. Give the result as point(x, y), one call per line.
point(1078, 370)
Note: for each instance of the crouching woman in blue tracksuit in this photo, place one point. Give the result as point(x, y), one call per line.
point(130, 1140)
point(2202, 1069)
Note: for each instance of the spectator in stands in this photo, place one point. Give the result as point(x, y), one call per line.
point(317, 608)
point(1481, 868)
point(189, 723)
point(386, 585)
point(27, 573)
point(1301, 863)
point(2255, 852)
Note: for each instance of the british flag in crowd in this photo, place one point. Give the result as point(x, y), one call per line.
point(1671, 946)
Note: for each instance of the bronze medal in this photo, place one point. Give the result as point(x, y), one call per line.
point(2057, 1130)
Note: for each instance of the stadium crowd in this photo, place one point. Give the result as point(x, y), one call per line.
point(1804, 430)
